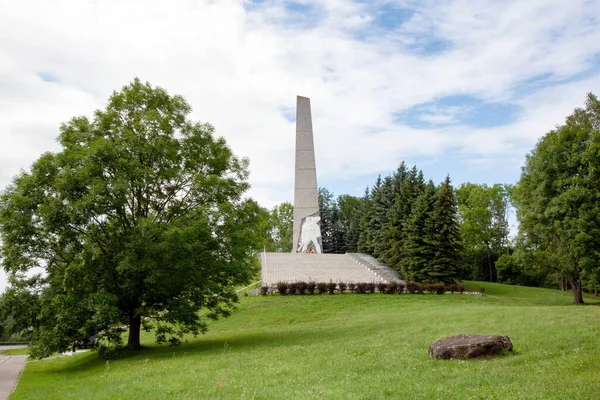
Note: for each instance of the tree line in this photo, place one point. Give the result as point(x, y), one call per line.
point(436, 233)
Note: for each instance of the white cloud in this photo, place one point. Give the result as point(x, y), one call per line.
point(239, 69)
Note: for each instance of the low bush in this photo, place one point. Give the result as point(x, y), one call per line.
point(282, 288)
point(352, 287)
point(370, 287)
point(310, 287)
point(393, 287)
point(439, 288)
point(420, 288)
point(460, 288)
point(331, 286)
point(411, 287)
point(264, 290)
point(293, 288)
point(452, 288)
point(322, 287)
point(435, 288)
point(382, 287)
point(482, 291)
point(302, 287)
point(342, 287)
point(361, 287)
point(401, 287)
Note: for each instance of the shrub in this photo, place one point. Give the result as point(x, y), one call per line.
point(351, 287)
point(482, 291)
point(282, 288)
point(437, 288)
point(411, 287)
point(401, 287)
point(342, 286)
point(264, 290)
point(302, 287)
point(361, 288)
point(370, 287)
point(293, 288)
point(321, 287)
point(382, 287)
point(393, 287)
point(331, 286)
point(452, 288)
point(310, 287)
point(460, 288)
point(420, 288)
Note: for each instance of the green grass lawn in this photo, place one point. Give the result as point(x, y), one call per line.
point(15, 352)
point(353, 346)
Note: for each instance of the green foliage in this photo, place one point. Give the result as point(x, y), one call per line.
point(140, 214)
point(443, 228)
point(483, 212)
point(281, 220)
point(418, 245)
point(558, 198)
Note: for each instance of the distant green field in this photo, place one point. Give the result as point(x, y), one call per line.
point(15, 352)
point(353, 347)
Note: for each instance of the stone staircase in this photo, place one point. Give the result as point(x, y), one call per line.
point(348, 268)
point(376, 267)
point(294, 267)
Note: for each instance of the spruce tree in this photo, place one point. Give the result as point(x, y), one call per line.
point(418, 250)
point(444, 236)
point(410, 189)
point(382, 203)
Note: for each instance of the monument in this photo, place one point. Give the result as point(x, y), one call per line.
point(300, 265)
point(307, 222)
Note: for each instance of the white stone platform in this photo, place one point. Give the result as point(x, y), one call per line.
point(294, 267)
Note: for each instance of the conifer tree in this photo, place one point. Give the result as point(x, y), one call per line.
point(418, 250)
point(444, 236)
point(364, 236)
point(383, 200)
point(411, 187)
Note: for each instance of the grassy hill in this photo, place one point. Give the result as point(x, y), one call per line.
point(353, 346)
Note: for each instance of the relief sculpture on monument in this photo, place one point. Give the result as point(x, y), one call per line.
point(310, 235)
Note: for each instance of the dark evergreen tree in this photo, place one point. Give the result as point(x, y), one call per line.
point(417, 245)
point(443, 229)
point(411, 187)
point(350, 214)
point(382, 201)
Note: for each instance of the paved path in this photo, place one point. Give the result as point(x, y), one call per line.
point(10, 369)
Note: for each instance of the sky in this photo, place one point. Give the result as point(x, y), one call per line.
point(461, 87)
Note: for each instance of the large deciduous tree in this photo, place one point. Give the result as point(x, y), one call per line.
point(281, 228)
point(138, 220)
point(558, 196)
point(483, 214)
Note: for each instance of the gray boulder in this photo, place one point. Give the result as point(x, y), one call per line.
point(469, 346)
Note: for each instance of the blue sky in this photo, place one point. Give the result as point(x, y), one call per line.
point(464, 88)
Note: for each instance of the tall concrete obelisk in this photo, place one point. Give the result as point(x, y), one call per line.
point(307, 233)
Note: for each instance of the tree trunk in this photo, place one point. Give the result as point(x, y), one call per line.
point(490, 264)
point(135, 323)
point(577, 292)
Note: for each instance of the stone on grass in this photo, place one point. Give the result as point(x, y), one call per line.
point(469, 346)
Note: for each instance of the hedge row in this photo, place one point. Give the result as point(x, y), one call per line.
point(301, 288)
